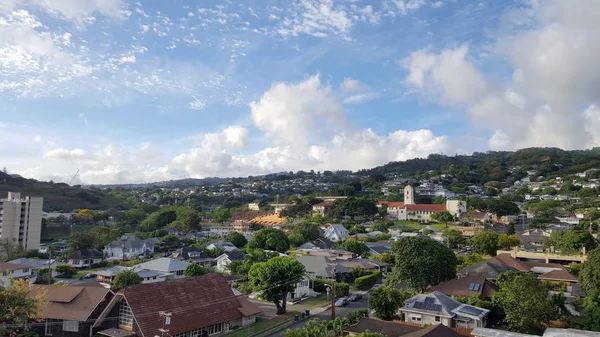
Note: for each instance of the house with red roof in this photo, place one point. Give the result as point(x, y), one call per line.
point(410, 210)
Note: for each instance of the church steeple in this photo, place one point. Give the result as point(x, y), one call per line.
point(409, 195)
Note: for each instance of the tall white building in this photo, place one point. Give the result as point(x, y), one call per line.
point(21, 220)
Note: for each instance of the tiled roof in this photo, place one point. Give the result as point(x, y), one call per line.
point(507, 260)
point(69, 302)
point(426, 207)
point(438, 330)
point(13, 266)
point(195, 302)
point(390, 203)
point(558, 275)
point(461, 287)
point(387, 328)
point(269, 220)
point(86, 254)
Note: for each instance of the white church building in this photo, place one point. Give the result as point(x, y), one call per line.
point(409, 210)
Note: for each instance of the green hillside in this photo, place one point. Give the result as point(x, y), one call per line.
point(58, 196)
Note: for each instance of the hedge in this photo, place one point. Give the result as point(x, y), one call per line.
point(341, 289)
point(366, 282)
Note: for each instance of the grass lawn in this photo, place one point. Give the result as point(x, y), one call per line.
point(260, 325)
point(314, 302)
point(82, 273)
point(417, 225)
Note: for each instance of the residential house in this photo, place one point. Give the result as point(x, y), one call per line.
point(198, 306)
point(226, 258)
point(36, 264)
point(128, 246)
point(70, 311)
point(336, 233)
point(193, 253)
point(220, 231)
point(437, 308)
point(395, 230)
point(227, 246)
point(399, 329)
point(242, 226)
point(322, 267)
point(321, 243)
point(170, 267)
point(430, 229)
point(321, 208)
point(377, 249)
point(105, 277)
point(474, 217)
point(467, 287)
point(335, 254)
point(85, 258)
point(55, 247)
point(14, 271)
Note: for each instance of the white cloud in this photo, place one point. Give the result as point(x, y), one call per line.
point(437, 4)
point(73, 10)
point(127, 59)
point(196, 104)
point(555, 75)
point(360, 98)
point(402, 7)
point(351, 85)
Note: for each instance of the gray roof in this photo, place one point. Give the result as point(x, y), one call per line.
point(485, 332)
point(379, 249)
point(112, 272)
point(36, 263)
point(554, 332)
point(235, 255)
point(163, 264)
point(83, 254)
point(224, 244)
point(321, 266)
point(130, 242)
point(485, 269)
point(436, 302)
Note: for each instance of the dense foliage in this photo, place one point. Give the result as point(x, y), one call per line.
point(275, 279)
point(422, 262)
point(386, 301)
point(124, 279)
point(367, 281)
point(270, 239)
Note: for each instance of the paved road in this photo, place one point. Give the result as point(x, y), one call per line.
point(326, 315)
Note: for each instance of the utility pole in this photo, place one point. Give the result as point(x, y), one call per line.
point(333, 295)
point(49, 264)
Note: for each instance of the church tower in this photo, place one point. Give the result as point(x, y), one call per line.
point(409, 195)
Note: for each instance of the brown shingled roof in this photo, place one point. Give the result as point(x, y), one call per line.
point(195, 302)
point(426, 207)
point(460, 287)
point(439, 330)
point(558, 275)
point(69, 302)
point(13, 266)
point(390, 329)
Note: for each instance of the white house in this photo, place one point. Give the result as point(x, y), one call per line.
point(438, 308)
point(321, 208)
point(85, 258)
point(336, 233)
point(226, 258)
point(170, 267)
point(227, 246)
point(128, 246)
point(220, 230)
point(15, 271)
point(37, 264)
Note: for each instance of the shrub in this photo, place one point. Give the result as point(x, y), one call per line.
point(367, 281)
point(65, 270)
point(319, 285)
point(342, 289)
point(354, 316)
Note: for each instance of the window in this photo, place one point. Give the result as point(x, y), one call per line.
point(71, 326)
point(125, 315)
point(437, 318)
point(76, 262)
point(415, 319)
point(179, 272)
point(215, 328)
point(26, 270)
point(48, 328)
point(5, 273)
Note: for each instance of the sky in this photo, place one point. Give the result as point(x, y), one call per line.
point(141, 91)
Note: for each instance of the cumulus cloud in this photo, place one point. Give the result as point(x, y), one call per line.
point(73, 10)
point(550, 99)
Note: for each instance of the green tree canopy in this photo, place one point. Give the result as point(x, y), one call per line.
point(241, 268)
point(572, 241)
point(353, 207)
point(124, 279)
point(275, 279)
point(510, 229)
point(193, 269)
point(309, 230)
point(65, 270)
point(442, 217)
point(170, 241)
point(238, 239)
point(422, 262)
point(270, 239)
point(221, 215)
point(17, 308)
point(385, 301)
point(453, 237)
point(485, 243)
point(506, 241)
point(589, 276)
point(524, 300)
point(80, 240)
point(356, 247)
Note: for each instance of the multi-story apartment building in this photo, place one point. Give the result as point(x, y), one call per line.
point(21, 220)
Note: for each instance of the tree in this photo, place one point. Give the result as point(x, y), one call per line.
point(10, 249)
point(356, 247)
point(103, 235)
point(241, 268)
point(193, 269)
point(220, 215)
point(572, 241)
point(485, 243)
point(80, 240)
point(43, 276)
point(469, 260)
point(422, 262)
point(354, 207)
point(510, 229)
point(452, 237)
point(65, 270)
point(296, 239)
point(591, 311)
point(124, 279)
point(524, 300)
point(238, 239)
point(385, 301)
point(170, 241)
point(443, 217)
point(589, 276)
point(309, 230)
point(506, 241)
point(270, 239)
point(17, 308)
point(189, 219)
point(275, 279)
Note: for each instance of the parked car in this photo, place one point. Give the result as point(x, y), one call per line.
point(375, 286)
point(354, 297)
point(89, 275)
point(341, 302)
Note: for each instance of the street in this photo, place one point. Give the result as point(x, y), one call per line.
point(326, 315)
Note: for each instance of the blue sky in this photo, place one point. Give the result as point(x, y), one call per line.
point(129, 91)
